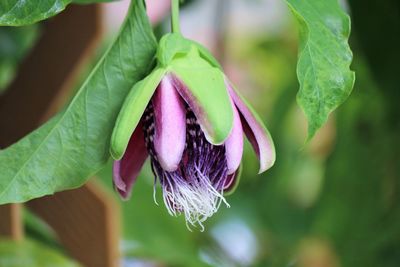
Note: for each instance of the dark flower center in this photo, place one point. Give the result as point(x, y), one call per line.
point(196, 187)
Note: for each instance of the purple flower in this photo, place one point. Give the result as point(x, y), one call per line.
point(188, 118)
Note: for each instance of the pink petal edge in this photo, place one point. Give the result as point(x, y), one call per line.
point(170, 124)
point(255, 131)
point(231, 182)
point(127, 169)
point(234, 143)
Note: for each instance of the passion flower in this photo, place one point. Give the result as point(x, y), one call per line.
point(190, 120)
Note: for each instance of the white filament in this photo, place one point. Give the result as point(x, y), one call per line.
point(197, 200)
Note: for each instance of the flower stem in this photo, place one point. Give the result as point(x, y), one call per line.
point(175, 16)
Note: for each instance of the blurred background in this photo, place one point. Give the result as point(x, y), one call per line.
point(332, 202)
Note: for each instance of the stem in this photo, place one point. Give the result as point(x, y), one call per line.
point(175, 16)
point(221, 14)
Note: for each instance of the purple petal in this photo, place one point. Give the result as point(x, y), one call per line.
point(255, 131)
point(126, 170)
point(170, 125)
point(234, 143)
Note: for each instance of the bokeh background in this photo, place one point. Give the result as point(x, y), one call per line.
point(331, 202)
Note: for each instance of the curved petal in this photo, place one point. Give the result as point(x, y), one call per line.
point(234, 143)
point(232, 181)
point(202, 86)
point(132, 111)
point(170, 125)
point(255, 130)
point(126, 170)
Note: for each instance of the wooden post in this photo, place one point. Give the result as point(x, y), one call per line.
point(86, 220)
point(11, 222)
point(45, 77)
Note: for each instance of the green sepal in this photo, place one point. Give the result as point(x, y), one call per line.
point(208, 91)
point(172, 45)
point(238, 176)
point(205, 54)
point(132, 111)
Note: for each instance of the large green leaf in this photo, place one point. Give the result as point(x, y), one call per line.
point(32, 254)
point(74, 145)
point(324, 59)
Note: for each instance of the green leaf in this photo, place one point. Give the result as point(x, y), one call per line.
point(324, 60)
point(131, 112)
point(25, 12)
point(19, 12)
point(74, 145)
point(208, 92)
point(32, 254)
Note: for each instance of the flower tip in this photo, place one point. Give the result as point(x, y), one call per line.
point(215, 139)
point(121, 187)
point(124, 196)
point(269, 162)
point(116, 155)
point(169, 165)
point(121, 192)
